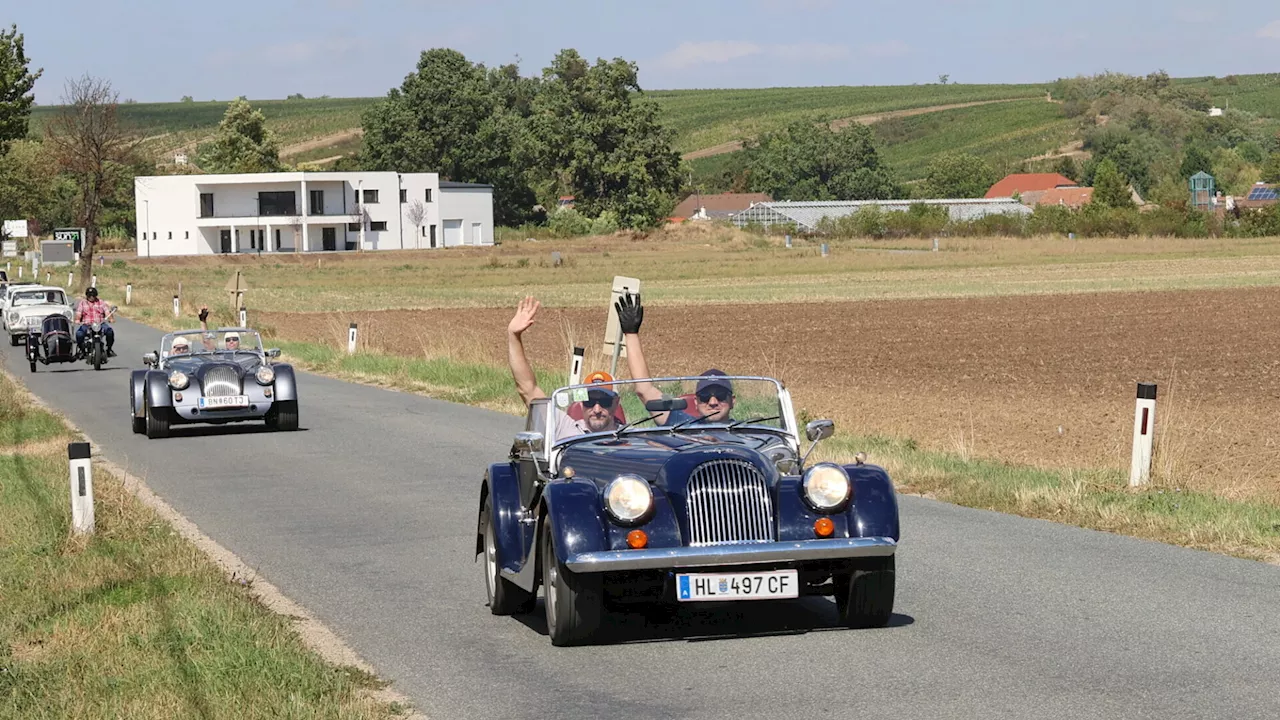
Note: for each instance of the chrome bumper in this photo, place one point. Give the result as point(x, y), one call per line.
point(718, 555)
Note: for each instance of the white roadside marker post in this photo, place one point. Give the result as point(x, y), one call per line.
point(48, 277)
point(93, 281)
point(788, 239)
point(8, 267)
point(70, 276)
point(244, 317)
point(575, 367)
point(175, 306)
point(81, 487)
point(351, 340)
point(825, 250)
point(20, 269)
point(128, 293)
point(35, 266)
point(1144, 421)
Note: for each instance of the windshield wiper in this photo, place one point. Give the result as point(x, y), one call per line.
point(690, 421)
point(751, 420)
point(618, 433)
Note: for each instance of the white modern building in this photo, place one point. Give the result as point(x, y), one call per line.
point(308, 212)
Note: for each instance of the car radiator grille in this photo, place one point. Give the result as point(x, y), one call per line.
point(219, 381)
point(729, 503)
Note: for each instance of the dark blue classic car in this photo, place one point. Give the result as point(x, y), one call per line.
point(607, 499)
point(220, 376)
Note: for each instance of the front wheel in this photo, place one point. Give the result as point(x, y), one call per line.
point(33, 366)
point(505, 597)
point(98, 354)
point(864, 597)
point(283, 416)
point(574, 602)
point(15, 340)
point(157, 422)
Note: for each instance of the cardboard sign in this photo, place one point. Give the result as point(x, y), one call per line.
point(15, 228)
point(612, 331)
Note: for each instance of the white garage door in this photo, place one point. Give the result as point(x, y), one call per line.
point(452, 233)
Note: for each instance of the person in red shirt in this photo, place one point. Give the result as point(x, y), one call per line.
point(93, 310)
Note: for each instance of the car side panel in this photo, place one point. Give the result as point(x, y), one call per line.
point(286, 385)
point(501, 488)
point(158, 392)
point(796, 518)
point(570, 510)
point(137, 390)
point(875, 509)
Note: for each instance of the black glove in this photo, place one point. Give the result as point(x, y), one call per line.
point(630, 313)
point(204, 314)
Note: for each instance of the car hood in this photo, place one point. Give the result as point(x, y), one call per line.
point(196, 365)
point(43, 309)
point(666, 459)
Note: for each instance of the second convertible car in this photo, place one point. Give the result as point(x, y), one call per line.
point(220, 376)
point(694, 510)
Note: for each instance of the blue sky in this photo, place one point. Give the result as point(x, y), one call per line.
point(165, 49)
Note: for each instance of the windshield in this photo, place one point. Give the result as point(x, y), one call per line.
point(195, 342)
point(711, 402)
point(38, 297)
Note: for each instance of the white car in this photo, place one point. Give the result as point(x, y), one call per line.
point(26, 306)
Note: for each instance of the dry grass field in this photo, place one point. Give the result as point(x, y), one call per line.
point(1025, 351)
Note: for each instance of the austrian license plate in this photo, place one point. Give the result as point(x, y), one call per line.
point(694, 587)
point(225, 401)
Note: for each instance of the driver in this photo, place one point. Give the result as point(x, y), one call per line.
point(94, 310)
point(597, 408)
point(713, 397)
point(181, 346)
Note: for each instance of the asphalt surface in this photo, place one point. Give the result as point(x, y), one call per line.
point(367, 517)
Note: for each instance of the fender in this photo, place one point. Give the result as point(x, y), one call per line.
point(501, 489)
point(576, 521)
point(874, 512)
point(286, 384)
point(158, 391)
point(137, 386)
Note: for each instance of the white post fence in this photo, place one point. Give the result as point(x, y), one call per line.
point(81, 487)
point(128, 293)
point(70, 277)
point(244, 317)
point(575, 366)
point(176, 311)
point(1144, 422)
point(93, 281)
point(351, 340)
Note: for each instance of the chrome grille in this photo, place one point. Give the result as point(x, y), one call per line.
point(219, 381)
point(729, 503)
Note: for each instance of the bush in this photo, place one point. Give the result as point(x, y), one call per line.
point(1051, 220)
point(607, 224)
point(568, 223)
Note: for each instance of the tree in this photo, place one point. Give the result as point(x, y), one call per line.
point(1271, 168)
point(810, 161)
point(16, 83)
point(943, 79)
point(1195, 160)
point(416, 214)
point(296, 96)
point(959, 175)
point(243, 144)
point(86, 139)
point(597, 137)
point(1067, 167)
point(187, 99)
point(1109, 187)
point(32, 188)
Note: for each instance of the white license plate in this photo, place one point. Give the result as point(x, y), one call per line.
point(225, 401)
point(694, 587)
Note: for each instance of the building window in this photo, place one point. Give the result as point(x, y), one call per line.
point(170, 234)
point(155, 236)
point(277, 203)
point(317, 202)
point(433, 236)
point(428, 194)
point(353, 227)
point(186, 235)
point(378, 225)
point(206, 205)
point(370, 196)
point(404, 195)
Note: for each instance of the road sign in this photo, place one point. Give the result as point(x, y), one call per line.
point(235, 288)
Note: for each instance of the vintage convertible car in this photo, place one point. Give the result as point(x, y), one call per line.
point(601, 510)
point(27, 306)
point(220, 376)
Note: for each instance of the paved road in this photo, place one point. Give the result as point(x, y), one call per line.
point(367, 518)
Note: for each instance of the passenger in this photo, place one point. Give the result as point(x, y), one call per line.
point(230, 341)
point(180, 346)
point(597, 407)
point(713, 396)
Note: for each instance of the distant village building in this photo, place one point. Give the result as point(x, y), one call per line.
point(716, 207)
point(1023, 183)
point(805, 216)
point(1261, 195)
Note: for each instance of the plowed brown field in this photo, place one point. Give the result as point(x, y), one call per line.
point(1043, 380)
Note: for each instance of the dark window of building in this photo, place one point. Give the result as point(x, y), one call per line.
point(428, 194)
point(278, 203)
point(371, 196)
point(404, 195)
point(317, 202)
point(353, 227)
point(170, 234)
point(378, 225)
point(206, 204)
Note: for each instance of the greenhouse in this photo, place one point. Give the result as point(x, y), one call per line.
point(805, 216)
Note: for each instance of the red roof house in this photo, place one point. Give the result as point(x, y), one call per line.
point(1022, 183)
point(704, 207)
point(1072, 197)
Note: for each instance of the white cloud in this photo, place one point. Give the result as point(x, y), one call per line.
point(809, 51)
point(690, 54)
point(1270, 30)
point(887, 49)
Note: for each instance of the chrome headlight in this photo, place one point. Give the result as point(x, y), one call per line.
point(628, 498)
point(265, 375)
point(827, 486)
point(178, 380)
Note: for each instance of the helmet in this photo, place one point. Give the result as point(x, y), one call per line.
point(181, 341)
point(91, 292)
point(599, 376)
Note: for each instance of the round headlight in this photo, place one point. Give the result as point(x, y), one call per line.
point(827, 486)
point(628, 498)
point(178, 380)
point(266, 375)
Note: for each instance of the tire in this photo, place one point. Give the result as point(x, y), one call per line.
point(574, 602)
point(157, 422)
point(864, 598)
point(15, 340)
point(97, 352)
point(283, 415)
point(505, 597)
point(33, 366)
point(139, 423)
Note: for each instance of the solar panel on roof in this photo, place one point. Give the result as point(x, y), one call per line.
point(1263, 193)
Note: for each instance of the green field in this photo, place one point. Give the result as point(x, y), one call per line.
point(1256, 93)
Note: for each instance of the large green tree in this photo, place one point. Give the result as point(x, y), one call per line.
point(461, 120)
point(810, 161)
point(597, 137)
point(1271, 168)
point(243, 144)
point(1195, 160)
point(959, 175)
point(1109, 186)
point(16, 83)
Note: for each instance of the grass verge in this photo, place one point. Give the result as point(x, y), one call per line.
point(134, 621)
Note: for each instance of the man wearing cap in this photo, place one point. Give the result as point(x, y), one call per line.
point(597, 408)
point(713, 397)
point(93, 310)
point(230, 340)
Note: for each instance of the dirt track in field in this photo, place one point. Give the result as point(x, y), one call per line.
point(1044, 380)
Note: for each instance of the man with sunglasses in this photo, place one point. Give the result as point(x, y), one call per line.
point(597, 408)
point(713, 397)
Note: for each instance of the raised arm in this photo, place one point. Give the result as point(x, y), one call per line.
point(630, 316)
point(521, 371)
point(209, 343)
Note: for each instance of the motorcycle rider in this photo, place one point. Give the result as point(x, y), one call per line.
point(94, 310)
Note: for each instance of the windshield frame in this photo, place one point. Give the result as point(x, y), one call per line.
point(197, 338)
point(789, 429)
point(17, 295)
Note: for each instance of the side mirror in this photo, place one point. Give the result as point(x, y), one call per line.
point(273, 353)
point(530, 442)
point(666, 404)
point(150, 358)
point(816, 430)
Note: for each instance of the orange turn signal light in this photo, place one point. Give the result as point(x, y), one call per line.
point(823, 527)
point(637, 539)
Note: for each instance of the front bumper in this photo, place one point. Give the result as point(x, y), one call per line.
point(723, 555)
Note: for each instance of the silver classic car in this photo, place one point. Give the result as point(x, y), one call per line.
point(219, 376)
point(26, 307)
